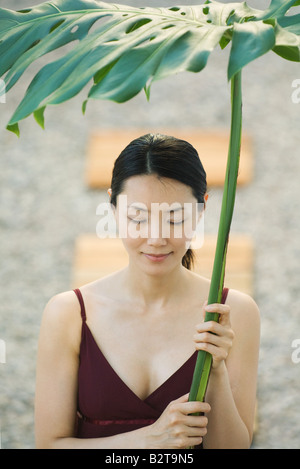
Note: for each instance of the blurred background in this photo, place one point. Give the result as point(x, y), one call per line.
point(46, 205)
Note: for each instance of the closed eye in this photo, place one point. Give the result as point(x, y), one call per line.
point(136, 221)
point(173, 222)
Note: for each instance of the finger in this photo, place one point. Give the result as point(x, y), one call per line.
point(223, 320)
point(203, 309)
point(213, 327)
point(181, 399)
point(209, 338)
point(177, 403)
point(196, 431)
point(216, 307)
point(219, 308)
point(194, 441)
point(218, 353)
point(195, 407)
point(199, 421)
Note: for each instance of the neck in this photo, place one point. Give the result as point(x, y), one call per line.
point(156, 290)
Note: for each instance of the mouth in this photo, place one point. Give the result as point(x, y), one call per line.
point(156, 257)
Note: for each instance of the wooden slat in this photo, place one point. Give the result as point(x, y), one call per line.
point(95, 258)
point(105, 146)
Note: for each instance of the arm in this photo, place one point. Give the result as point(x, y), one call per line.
point(56, 393)
point(175, 429)
point(56, 374)
point(231, 391)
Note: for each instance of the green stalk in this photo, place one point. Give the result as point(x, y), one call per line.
point(204, 359)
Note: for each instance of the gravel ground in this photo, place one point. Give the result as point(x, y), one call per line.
point(45, 205)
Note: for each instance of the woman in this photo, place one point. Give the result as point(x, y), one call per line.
point(116, 357)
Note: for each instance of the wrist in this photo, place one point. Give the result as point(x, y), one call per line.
point(146, 438)
point(219, 370)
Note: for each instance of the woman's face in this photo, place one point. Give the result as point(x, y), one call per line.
point(156, 218)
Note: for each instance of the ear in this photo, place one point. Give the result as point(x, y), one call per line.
point(203, 207)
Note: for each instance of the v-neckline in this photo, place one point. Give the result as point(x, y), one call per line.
point(84, 324)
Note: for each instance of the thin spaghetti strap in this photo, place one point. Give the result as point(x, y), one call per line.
point(224, 295)
point(80, 299)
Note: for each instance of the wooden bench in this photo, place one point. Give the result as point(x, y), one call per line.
point(105, 146)
point(95, 258)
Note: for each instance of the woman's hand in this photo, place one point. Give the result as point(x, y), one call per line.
point(214, 337)
point(175, 428)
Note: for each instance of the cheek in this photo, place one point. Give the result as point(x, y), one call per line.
point(179, 246)
point(180, 236)
point(131, 244)
point(182, 247)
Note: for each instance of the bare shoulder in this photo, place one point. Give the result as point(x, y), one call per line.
point(61, 306)
point(61, 318)
point(244, 311)
point(242, 302)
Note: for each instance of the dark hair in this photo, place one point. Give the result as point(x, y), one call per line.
point(167, 157)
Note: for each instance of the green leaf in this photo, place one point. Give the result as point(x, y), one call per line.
point(226, 14)
point(157, 58)
point(14, 128)
point(84, 104)
point(129, 47)
point(287, 44)
point(39, 116)
point(249, 41)
point(277, 9)
point(290, 23)
point(28, 36)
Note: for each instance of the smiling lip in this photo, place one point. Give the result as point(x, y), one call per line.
point(156, 257)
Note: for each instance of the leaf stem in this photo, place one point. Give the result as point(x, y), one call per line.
point(204, 359)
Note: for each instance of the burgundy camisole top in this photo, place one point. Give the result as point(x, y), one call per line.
point(106, 405)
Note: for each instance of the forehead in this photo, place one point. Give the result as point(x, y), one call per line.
point(152, 189)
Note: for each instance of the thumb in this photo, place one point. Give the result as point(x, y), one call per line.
point(183, 398)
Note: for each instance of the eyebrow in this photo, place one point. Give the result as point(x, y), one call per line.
point(142, 209)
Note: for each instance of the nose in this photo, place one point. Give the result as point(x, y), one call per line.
point(156, 241)
point(157, 236)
